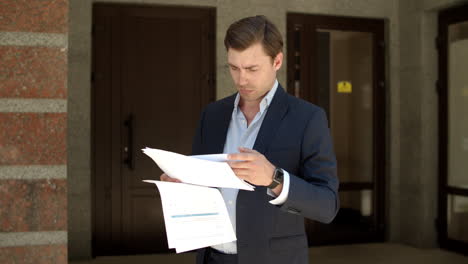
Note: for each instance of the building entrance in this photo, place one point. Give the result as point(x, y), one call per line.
point(338, 64)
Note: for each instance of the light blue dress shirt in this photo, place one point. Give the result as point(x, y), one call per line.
point(241, 135)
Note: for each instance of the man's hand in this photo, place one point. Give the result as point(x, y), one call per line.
point(166, 178)
point(252, 166)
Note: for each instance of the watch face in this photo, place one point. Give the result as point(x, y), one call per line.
point(278, 175)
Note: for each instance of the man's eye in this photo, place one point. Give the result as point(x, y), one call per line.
point(252, 70)
point(234, 68)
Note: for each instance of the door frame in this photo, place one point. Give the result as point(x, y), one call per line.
point(307, 79)
point(446, 18)
point(97, 187)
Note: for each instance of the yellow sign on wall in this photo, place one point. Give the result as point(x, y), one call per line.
point(345, 87)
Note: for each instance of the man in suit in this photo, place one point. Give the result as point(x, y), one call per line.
point(279, 143)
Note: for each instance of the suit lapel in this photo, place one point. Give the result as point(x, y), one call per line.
point(250, 203)
point(220, 125)
point(275, 114)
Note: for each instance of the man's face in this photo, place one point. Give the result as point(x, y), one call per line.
point(253, 71)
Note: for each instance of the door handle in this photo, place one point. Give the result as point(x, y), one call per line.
point(128, 149)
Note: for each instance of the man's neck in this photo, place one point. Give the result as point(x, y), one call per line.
point(250, 105)
point(249, 109)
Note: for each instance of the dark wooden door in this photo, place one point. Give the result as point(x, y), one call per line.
point(453, 129)
point(153, 71)
point(338, 64)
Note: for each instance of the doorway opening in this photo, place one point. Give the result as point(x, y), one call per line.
point(453, 129)
point(338, 64)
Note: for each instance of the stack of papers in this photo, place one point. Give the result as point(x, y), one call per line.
point(195, 214)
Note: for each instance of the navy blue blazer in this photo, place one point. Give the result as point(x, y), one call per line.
point(294, 136)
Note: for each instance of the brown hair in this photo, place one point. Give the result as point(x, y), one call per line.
point(251, 30)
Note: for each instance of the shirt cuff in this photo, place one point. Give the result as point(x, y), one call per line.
point(281, 199)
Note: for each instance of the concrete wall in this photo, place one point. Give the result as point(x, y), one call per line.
point(419, 123)
point(33, 119)
point(79, 105)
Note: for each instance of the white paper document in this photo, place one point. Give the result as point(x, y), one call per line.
point(205, 170)
point(195, 214)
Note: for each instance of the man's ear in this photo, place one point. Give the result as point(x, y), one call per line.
point(278, 61)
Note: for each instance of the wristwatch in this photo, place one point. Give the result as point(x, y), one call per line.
point(277, 178)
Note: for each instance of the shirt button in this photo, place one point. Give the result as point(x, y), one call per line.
point(230, 202)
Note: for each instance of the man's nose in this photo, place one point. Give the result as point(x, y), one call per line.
point(242, 78)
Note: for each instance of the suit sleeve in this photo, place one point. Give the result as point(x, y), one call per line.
point(313, 193)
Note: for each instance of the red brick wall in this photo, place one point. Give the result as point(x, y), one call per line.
point(49, 254)
point(34, 16)
point(29, 140)
point(32, 138)
point(39, 205)
point(33, 72)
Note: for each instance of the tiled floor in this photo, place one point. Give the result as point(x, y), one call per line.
point(360, 254)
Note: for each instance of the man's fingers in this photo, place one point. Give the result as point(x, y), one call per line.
point(242, 173)
point(241, 156)
point(173, 180)
point(166, 178)
point(239, 164)
point(247, 150)
point(244, 155)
